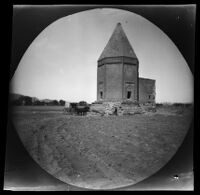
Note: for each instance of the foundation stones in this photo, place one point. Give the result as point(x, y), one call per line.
point(119, 108)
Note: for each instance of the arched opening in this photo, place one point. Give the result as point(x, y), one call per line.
point(128, 95)
point(101, 94)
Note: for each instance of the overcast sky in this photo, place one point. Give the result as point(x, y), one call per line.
point(61, 63)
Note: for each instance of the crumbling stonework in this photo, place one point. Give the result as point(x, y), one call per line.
point(115, 108)
point(147, 91)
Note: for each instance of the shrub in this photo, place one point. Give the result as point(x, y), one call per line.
point(178, 104)
point(159, 105)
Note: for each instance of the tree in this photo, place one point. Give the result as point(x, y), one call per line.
point(62, 102)
point(55, 102)
point(39, 103)
point(28, 100)
point(16, 102)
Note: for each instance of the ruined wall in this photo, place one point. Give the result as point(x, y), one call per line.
point(114, 108)
point(147, 91)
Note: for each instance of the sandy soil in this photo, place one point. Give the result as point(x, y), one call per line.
point(102, 152)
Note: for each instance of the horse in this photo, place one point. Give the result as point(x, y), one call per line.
point(81, 110)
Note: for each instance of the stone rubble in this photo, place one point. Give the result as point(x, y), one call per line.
point(119, 108)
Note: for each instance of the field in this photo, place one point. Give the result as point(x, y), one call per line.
point(101, 152)
point(38, 108)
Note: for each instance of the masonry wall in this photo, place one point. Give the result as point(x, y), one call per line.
point(100, 81)
point(116, 77)
point(147, 91)
point(113, 85)
point(130, 81)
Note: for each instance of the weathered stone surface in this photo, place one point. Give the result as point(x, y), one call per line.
point(128, 110)
point(147, 91)
point(119, 108)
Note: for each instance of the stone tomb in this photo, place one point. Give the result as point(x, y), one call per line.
point(120, 91)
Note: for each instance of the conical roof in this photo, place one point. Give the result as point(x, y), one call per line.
point(118, 45)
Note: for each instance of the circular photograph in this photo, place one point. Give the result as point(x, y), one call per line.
point(102, 99)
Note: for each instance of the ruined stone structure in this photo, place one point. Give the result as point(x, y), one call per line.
point(118, 79)
point(147, 90)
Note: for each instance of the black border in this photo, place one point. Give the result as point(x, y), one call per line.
point(28, 24)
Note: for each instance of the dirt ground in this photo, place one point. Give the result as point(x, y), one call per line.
point(102, 152)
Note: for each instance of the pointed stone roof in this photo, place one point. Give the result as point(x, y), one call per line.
point(118, 45)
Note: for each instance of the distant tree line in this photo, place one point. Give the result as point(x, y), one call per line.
point(174, 104)
point(29, 101)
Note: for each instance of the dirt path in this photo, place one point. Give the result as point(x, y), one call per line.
point(101, 152)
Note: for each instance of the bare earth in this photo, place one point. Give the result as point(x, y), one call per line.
point(101, 152)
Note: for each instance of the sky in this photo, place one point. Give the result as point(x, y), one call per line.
point(61, 63)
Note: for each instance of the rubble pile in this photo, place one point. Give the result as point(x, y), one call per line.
point(148, 107)
point(119, 108)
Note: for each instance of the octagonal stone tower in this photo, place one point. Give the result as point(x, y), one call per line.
point(117, 72)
